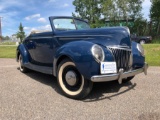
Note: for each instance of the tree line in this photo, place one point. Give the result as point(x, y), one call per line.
point(102, 13)
point(155, 17)
point(20, 34)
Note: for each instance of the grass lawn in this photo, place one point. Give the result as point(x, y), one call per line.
point(8, 43)
point(152, 53)
point(8, 51)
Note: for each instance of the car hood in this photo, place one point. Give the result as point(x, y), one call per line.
point(112, 36)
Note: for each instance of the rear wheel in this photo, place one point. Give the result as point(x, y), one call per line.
point(127, 79)
point(21, 67)
point(71, 82)
point(142, 42)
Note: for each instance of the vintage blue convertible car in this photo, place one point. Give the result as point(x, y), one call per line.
point(79, 56)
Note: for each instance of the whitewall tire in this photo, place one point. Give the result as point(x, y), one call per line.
point(71, 82)
point(21, 67)
point(142, 42)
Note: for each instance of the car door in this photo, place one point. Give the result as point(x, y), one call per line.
point(42, 50)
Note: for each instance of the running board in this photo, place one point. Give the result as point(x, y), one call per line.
point(42, 69)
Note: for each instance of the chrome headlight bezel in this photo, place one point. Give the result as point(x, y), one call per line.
point(140, 49)
point(98, 53)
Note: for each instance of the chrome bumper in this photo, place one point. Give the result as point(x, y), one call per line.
point(119, 76)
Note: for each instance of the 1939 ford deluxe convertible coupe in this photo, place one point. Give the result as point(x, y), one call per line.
point(79, 56)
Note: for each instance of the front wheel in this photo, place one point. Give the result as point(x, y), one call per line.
point(21, 67)
point(71, 82)
point(142, 42)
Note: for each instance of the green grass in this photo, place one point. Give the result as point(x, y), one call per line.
point(8, 43)
point(152, 53)
point(8, 51)
point(156, 41)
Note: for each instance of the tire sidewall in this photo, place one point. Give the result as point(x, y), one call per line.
point(21, 67)
point(85, 88)
point(142, 42)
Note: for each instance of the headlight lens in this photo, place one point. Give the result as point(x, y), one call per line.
point(97, 52)
point(140, 49)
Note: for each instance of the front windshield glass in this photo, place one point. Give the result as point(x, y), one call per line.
point(64, 24)
point(81, 24)
point(69, 24)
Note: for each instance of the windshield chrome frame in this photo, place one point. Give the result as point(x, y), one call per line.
point(65, 17)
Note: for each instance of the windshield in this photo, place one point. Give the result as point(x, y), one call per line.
point(81, 24)
point(69, 24)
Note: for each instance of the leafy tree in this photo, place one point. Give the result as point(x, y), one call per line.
point(116, 10)
point(102, 13)
point(88, 9)
point(21, 34)
point(6, 38)
point(155, 16)
point(140, 27)
point(99, 11)
point(1, 37)
point(109, 11)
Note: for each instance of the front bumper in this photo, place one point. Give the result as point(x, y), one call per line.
point(120, 75)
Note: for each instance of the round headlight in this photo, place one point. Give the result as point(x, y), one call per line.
point(140, 49)
point(97, 52)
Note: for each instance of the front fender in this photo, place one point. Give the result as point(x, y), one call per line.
point(80, 53)
point(23, 51)
point(138, 59)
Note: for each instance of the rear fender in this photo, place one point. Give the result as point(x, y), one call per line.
point(23, 51)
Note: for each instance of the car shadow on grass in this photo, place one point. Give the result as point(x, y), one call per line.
point(100, 91)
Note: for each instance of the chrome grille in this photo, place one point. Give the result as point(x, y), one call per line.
point(122, 57)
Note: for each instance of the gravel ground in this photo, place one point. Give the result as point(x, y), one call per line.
point(36, 96)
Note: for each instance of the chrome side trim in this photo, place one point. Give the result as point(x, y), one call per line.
point(83, 36)
point(62, 38)
point(70, 37)
point(46, 37)
point(119, 76)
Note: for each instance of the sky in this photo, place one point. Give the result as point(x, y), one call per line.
point(33, 14)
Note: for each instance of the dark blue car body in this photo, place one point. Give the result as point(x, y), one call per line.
point(43, 52)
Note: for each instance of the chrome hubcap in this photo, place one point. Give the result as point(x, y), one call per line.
point(71, 78)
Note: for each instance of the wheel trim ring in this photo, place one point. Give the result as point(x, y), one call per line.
point(20, 63)
point(63, 85)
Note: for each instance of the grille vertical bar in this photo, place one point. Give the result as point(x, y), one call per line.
point(122, 57)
